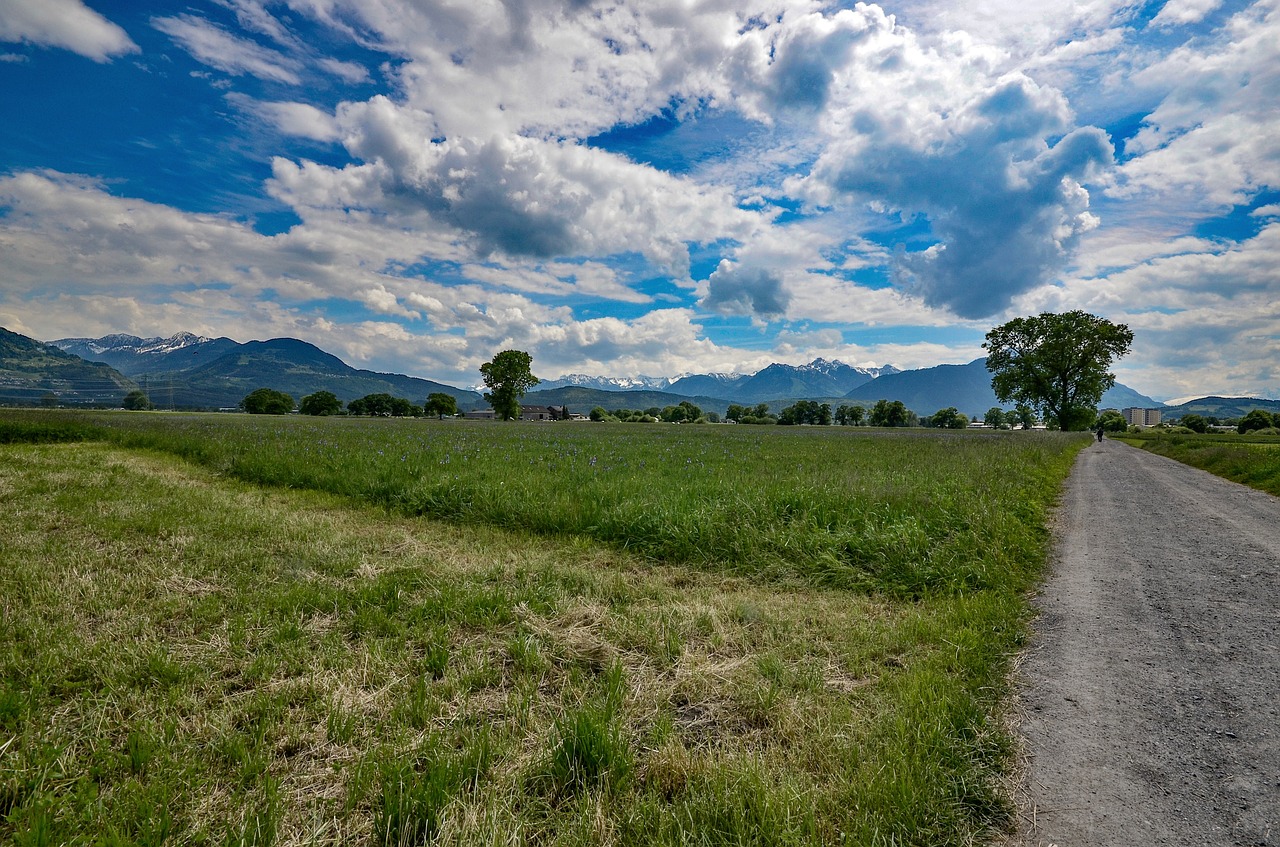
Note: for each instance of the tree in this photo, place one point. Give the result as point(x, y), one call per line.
point(267, 401)
point(320, 403)
point(136, 401)
point(886, 413)
point(1195, 423)
point(380, 404)
point(948, 418)
point(440, 404)
point(996, 418)
point(1255, 420)
point(1112, 421)
point(1057, 363)
point(847, 415)
point(508, 377)
point(1023, 415)
point(685, 412)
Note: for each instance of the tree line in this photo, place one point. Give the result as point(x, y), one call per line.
point(1055, 365)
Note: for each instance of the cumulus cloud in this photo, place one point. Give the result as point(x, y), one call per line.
point(1006, 206)
point(513, 196)
point(735, 290)
point(1211, 142)
point(216, 47)
point(64, 23)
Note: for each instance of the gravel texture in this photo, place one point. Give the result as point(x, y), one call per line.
point(1150, 697)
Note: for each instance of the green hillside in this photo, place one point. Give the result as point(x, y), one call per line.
point(32, 372)
point(292, 366)
point(1221, 407)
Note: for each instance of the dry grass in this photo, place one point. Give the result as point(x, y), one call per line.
point(196, 658)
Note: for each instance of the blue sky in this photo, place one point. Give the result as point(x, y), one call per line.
point(655, 188)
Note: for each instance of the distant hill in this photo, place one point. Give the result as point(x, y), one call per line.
point(1221, 407)
point(191, 371)
point(30, 370)
point(967, 387)
point(294, 367)
point(133, 356)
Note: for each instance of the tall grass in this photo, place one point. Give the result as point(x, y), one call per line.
point(667, 635)
point(906, 513)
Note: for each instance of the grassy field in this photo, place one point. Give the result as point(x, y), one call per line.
point(225, 630)
point(1253, 460)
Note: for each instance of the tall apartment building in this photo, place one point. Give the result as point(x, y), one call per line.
point(1141, 417)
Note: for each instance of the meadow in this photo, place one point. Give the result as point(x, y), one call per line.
point(238, 630)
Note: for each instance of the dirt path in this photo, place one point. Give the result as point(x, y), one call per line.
point(1152, 691)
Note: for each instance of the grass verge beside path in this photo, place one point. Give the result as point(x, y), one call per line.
point(1250, 460)
point(191, 659)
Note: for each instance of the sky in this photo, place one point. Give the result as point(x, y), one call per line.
point(648, 188)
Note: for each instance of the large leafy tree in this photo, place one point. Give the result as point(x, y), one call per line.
point(136, 401)
point(508, 377)
point(895, 413)
point(320, 403)
point(267, 401)
point(439, 403)
point(1057, 363)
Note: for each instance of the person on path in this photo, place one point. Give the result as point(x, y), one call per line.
point(1099, 432)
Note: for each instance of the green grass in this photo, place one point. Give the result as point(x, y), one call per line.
point(1253, 460)
point(903, 512)
point(221, 654)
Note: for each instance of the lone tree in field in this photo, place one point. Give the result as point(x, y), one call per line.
point(508, 377)
point(441, 404)
point(136, 401)
point(1056, 363)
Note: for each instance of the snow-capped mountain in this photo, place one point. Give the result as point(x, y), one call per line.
point(819, 378)
point(608, 383)
point(132, 355)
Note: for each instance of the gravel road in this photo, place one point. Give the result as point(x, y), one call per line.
point(1151, 693)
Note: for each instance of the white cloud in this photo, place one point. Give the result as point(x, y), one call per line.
point(297, 119)
point(1006, 206)
point(510, 196)
point(349, 72)
point(1204, 314)
point(229, 53)
point(1211, 142)
point(64, 23)
point(1180, 12)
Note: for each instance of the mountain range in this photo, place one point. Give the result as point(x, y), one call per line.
point(819, 378)
point(192, 371)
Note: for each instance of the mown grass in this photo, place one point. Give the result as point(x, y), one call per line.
point(190, 658)
point(1251, 460)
